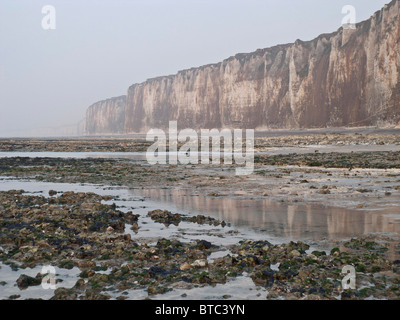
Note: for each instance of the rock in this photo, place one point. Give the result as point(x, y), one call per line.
point(295, 253)
point(335, 252)
point(303, 275)
point(166, 217)
point(264, 278)
point(80, 284)
point(318, 253)
point(25, 281)
point(86, 264)
point(199, 263)
point(43, 244)
point(265, 248)
point(153, 290)
point(155, 271)
point(324, 191)
point(64, 294)
point(311, 256)
point(185, 266)
point(203, 244)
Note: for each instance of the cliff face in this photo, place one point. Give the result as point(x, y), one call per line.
point(347, 78)
point(106, 117)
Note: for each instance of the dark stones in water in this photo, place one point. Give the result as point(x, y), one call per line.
point(203, 244)
point(25, 281)
point(167, 218)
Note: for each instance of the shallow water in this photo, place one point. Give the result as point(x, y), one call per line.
point(132, 200)
point(282, 220)
point(261, 218)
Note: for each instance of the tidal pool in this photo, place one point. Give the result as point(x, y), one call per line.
point(282, 220)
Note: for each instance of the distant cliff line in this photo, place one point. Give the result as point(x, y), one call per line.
point(348, 78)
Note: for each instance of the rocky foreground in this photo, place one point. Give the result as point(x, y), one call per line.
point(79, 231)
point(68, 230)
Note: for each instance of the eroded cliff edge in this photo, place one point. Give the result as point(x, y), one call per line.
point(106, 116)
point(348, 78)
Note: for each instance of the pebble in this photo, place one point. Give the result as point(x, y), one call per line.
point(185, 266)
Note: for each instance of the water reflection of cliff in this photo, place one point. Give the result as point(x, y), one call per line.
point(282, 220)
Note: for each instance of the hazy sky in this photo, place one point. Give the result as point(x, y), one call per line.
point(99, 48)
